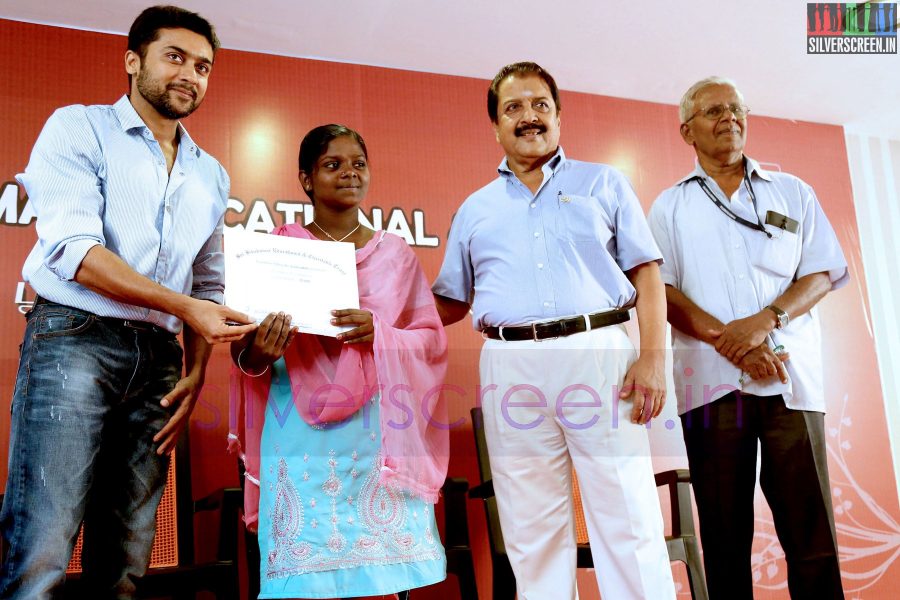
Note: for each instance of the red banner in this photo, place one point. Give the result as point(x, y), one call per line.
point(431, 144)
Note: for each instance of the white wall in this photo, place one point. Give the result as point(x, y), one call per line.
point(875, 174)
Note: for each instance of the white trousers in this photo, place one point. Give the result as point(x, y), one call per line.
point(548, 406)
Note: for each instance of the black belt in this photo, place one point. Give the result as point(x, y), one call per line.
point(556, 329)
point(114, 321)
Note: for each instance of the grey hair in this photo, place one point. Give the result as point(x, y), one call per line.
point(686, 108)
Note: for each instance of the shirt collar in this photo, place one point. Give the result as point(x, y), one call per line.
point(752, 166)
point(555, 162)
point(130, 119)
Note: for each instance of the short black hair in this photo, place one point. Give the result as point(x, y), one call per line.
point(315, 143)
point(519, 68)
point(145, 29)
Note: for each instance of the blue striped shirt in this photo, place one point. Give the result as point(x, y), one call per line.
point(98, 176)
point(519, 257)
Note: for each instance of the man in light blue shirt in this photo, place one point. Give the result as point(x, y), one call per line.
point(129, 222)
point(551, 256)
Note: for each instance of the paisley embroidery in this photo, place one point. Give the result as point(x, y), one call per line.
point(379, 530)
point(382, 509)
point(287, 522)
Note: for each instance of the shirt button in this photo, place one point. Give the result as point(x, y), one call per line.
point(546, 304)
point(737, 245)
point(533, 205)
point(537, 234)
point(540, 265)
point(741, 276)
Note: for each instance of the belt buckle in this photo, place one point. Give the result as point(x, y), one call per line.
point(534, 333)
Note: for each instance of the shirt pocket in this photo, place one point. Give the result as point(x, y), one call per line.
point(582, 219)
point(778, 255)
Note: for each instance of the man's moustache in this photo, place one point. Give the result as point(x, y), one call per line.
point(541, 128)
point(185, 88)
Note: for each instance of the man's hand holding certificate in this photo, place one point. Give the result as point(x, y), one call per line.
point(304, 278)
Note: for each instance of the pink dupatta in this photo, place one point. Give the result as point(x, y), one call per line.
point(406, 363)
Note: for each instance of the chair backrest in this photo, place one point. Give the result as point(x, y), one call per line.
point(484, 469)
point(581, 532)
point(169, 549)
point(495, 535)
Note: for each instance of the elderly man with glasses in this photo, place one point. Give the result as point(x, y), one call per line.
point(748, 254)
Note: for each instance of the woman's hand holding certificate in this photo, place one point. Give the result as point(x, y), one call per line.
point(304, 278)
point(361, 321)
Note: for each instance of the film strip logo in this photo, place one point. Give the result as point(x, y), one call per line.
point(851, 28)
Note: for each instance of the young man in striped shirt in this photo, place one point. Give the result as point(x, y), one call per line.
point(130, 217)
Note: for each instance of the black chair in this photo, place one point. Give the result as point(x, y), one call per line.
point(682, 543)
point(183, 579)
point(456, 534)
point(456, 544)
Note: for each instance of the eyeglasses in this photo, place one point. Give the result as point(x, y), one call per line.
point(715, 112)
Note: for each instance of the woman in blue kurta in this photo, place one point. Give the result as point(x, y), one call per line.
point(346, 480)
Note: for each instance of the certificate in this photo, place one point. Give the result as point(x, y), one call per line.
point(306, 279)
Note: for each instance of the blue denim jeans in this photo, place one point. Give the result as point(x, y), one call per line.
point(84, 413)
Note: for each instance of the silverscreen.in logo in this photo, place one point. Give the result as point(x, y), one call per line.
point(863, 28)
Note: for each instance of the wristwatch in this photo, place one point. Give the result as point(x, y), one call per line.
point(781, 317)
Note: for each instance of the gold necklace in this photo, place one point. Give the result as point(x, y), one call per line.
point(331, 237)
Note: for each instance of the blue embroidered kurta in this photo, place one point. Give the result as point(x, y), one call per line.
point(328, 529)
